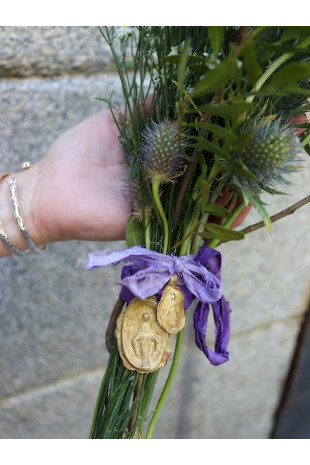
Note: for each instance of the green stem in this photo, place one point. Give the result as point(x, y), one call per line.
point(155, 189)
point(228, 223)
point(305, 141)
point(164, 393)
point(266, 75)
point(148, 235)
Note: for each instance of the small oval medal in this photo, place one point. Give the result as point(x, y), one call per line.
point(143, 344)
point(170, 310)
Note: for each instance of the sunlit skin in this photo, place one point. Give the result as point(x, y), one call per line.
point(75, 190)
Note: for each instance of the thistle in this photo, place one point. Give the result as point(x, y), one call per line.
point(161, 154)
point(270, 154)
point(138, 199)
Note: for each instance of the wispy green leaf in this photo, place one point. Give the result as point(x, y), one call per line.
point(216, 37)
point(239, 168)
point(133, 232)
point(215, 78)
point(176, 59)
point(214, 231)
point(250, 63)
point(208, 146)
point(219, 131)
point(217, 210)
point(294, 33)
point(205, 192)
point(258, 204)
point(287, 48)
point(290, 74)
point(227, 109)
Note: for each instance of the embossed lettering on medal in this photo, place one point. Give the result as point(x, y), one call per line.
point(170, 310)
point(143, 344)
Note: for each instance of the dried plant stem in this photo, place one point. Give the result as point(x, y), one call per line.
point(287, 211)
point(190, 167)
point(109, 335)
point(136, 397)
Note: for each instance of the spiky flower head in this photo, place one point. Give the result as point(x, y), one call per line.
point(161, 154)
point(135, 192)
point(271, 153)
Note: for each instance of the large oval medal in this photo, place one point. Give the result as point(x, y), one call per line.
point(170, 310)
point(145, 344)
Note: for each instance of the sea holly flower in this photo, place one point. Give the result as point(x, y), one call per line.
point(140, 202)
point(271, 153)
point(161, 154)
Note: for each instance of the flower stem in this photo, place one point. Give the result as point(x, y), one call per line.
point(164, 393)
point(155, 189)
point(148, 235)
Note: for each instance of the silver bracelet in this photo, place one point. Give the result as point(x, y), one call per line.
point(8, 244)
point(12, 183)
point(3, 237)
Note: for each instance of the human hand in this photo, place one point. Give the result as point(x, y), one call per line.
point(75, 191)
point(79, 193)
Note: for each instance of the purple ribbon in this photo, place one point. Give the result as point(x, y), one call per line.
point(198, 277)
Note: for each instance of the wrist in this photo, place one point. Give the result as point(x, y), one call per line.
point(26, 189)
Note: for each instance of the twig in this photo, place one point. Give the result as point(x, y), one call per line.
point(241, 36)
point(190, 167)
point(135, 401)
point(109, 335)
point(287, 211)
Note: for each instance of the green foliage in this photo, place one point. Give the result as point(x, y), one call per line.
point(133, 233)
point(216, 36)
point(212, 83)
point(214, 231)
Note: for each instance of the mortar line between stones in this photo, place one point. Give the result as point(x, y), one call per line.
point(67, 73)
point(100, 370)
point(59, 382)
point(265, 326)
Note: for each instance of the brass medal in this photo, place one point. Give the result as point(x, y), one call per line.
point(143, 344)
point(170, 310)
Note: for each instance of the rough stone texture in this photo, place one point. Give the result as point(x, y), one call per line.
point(266, 278)
point(46, 51)
point(58, 411)
point(237, 399)
point(233, 401)
point(36, 111)
point(53, 317)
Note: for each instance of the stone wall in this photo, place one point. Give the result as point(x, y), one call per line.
point(53, 316)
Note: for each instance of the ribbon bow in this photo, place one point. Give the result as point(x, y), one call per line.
point(198, 277)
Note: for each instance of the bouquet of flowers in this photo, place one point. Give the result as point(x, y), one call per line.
point(213, 117)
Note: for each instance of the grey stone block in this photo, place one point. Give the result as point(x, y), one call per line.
point(46, 51)
point(236, 400)
point(36, 111)
point(53, 316)
point(60, 411)
point(266, 278)
point(42, 326)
